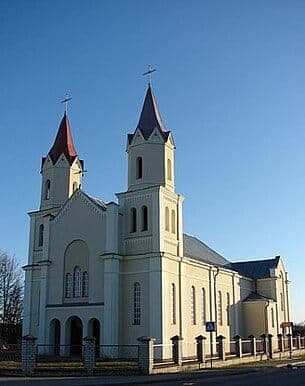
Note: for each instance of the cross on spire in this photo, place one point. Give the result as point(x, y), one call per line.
point(65, 101)
point(149, 71)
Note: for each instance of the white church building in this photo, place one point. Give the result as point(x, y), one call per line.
point(124, 269)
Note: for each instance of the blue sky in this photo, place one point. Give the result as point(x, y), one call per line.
point(230, 84)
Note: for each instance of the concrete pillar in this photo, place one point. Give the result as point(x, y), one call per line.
point(44, 265)
point(146, 354)
point(177, 349)
point(221, 347)
point(238, 346)
point(253, 345)
point(270, 346)
point(265, 343)
point(89, 355)
point(281, 342)
point(28, 355)
point(200, 348)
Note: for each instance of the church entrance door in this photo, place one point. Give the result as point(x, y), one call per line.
point(76, 336)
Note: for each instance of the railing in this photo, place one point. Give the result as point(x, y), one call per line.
point(260, 348)
point(125, 352)
point(246, 347)
point(62, 352)
point(163, 353)
point(232, 349)
point(10, 353)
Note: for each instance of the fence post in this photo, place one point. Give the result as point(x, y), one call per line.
point(200, 348)
point(298, 341)
point(28, 355)
point(238, 346)
point(146, 354)
point(253, 344)
point(281, 342)
point(89, 355)
point(177, 349)
point(221, 347)
point(270, 345)
point(265, 343)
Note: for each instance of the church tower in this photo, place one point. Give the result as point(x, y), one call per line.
point(152, 225)
point(61, 169)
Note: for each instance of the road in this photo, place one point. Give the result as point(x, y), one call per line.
point(266, 377)
point(239, 377)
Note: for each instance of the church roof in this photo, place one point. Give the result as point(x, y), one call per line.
point(150, 117)
point(63, 143)
point(196, 249)
point(256, 269)
point(255, 297)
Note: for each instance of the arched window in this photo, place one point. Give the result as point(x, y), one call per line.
point(166, 218)
point(47, 193)
point(85, 286)
point(137, 304)
point(193, 305)
point(203, 307)
point(139, 168)
point(133, 215)
point(68, 286)
point(77, 282)
point(219, 308)
point(144, 218)
point(173, 221)
point(228, 309)
point(75, 186)
point(169, 169)
point(40, 235)
point(173, 303)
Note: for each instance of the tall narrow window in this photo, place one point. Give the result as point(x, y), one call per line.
point(77, 282)
point(137, 304)
point(47, 193)
point(68, 286)
point(169, 169)
point(282, 301)
point(133, 219)
point(173, 303)
point(144, 218)
point(272, 318)
point(219, 308)
point(173, 219)
point(228, 309)
point(193, 305)
point(166, 218)
point(40, 235)
point(203, 307)
point(85, 286)
point(139, 168)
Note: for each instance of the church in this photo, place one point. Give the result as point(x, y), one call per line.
point(125, 269)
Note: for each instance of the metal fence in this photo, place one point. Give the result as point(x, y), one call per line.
point(10, 353)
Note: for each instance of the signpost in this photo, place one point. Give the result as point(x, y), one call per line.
point(211, 327)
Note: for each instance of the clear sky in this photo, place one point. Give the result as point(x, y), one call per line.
point(230, 84)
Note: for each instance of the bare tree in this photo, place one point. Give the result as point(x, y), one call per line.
point(11, 290)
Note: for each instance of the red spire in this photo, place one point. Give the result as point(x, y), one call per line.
point(150, 116)
point(63, 143)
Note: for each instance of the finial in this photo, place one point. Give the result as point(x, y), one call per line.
point(149, 71)
point(65, 101)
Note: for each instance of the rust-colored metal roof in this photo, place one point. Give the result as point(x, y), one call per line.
point(63, 143)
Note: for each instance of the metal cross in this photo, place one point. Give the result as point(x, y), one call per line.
point(149, 72)
point(65, 101)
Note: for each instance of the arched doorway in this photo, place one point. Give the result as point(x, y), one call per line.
point(75, 331)
point(55, 336)
point(94, 331)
